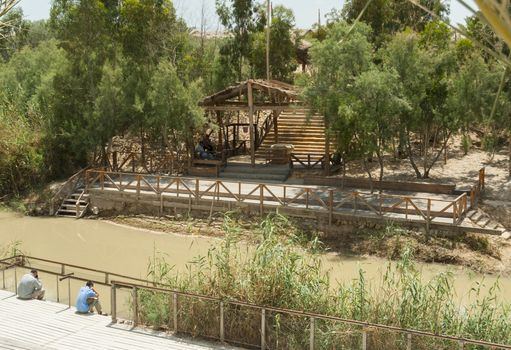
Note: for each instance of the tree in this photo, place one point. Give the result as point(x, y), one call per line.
point(25, 87)
point(424, 68)
point(282, 48)
point(13, 34)
point(85, 33)
point(175, 112)
point(372, 110)
point(336, 63)
point(386, 17)
point(241, 18)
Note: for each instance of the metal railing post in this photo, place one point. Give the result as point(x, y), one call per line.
point(312, 331)
point(134, 295)
point(408, 341)
point(3, 279)
point(113, 303)
point(364, 340)
point(263, 329)
point(462, 344)
point(222, 336)
point(16, 280)
point(58, 293)
point(175, 311)
point(69, 291)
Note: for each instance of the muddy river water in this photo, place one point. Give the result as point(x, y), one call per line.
point(124, 250)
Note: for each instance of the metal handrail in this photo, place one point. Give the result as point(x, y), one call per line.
point(313, 316)
point(135, 287)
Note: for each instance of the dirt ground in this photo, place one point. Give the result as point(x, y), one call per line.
point(460, 169)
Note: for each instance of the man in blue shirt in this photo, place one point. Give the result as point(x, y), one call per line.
point(88, 299)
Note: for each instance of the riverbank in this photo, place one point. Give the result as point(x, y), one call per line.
point(481, 253)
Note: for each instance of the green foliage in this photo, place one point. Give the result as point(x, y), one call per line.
point(174, 106)
point(241, 18)
point(25, 88)
point(387, 17)
point(282, 47)
point(278, 273)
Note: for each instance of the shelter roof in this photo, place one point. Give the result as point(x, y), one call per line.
point(282, 91)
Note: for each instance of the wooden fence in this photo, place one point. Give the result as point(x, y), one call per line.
point(149, 162)
point(268, 197)
point(267, 318)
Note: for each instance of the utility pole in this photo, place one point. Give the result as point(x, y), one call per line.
point(268, 19)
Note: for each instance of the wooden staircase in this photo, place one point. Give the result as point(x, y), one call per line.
point(75, 205)
point(307, 135)
point(480, 219)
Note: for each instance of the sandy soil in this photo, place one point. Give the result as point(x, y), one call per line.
point(460, 169)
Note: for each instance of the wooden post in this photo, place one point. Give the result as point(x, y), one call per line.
point(454, 212)
point(261, 199)
point(330, 206)
point(276, 125)
point(409, 342)
point(428, 220)
point(138, 186)
point(251, 121)
point(364, 340)
point(220, 135)
point(327, 149)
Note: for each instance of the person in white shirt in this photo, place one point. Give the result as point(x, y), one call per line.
point(30, 287)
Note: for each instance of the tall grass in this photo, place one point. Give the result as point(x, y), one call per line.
point(277, 272)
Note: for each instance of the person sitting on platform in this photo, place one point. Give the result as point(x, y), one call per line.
point(88, 299)
point(201, 151)
point(30, 287)
point(206, 143)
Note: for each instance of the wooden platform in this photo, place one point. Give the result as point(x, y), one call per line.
point(38, 325)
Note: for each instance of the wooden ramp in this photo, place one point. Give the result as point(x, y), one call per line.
point(38, 325)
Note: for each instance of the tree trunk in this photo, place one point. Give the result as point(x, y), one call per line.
point(366, 166)
point(410, 156)
point(380, 161)
point(509, 146)
point(439, 153)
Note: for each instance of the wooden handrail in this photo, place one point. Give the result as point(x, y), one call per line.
point(60, 195)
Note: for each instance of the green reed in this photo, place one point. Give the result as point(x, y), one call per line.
point(278, 272)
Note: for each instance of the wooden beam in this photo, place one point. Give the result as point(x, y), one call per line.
point(327, 148)
point(251, 122)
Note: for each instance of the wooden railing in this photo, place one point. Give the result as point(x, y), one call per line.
point(150, 162)
point(309, 161)
point(261, 314)
point(67, 189)
point(266, 197)
point(264, 130)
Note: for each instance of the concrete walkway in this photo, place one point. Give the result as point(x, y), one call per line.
point(38, 325)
